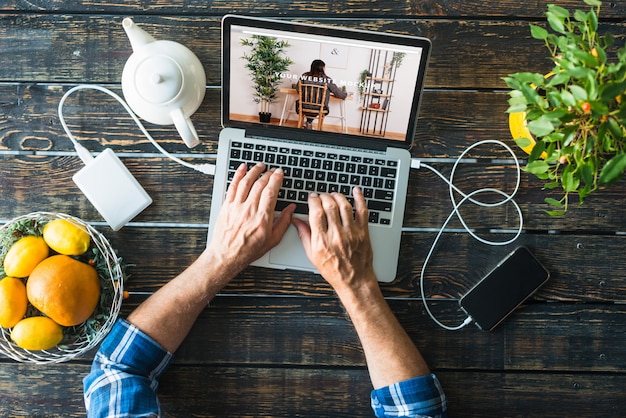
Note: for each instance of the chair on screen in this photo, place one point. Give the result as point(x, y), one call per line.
point(311, 104)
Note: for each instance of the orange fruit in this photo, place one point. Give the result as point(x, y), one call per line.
point(65, 289)
point(66, 237)
point(24, 255)
point(37, 333)
point(13, 301)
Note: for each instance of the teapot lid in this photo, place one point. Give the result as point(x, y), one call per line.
point(158, 79)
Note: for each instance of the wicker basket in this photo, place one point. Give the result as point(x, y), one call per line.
point(80, 338)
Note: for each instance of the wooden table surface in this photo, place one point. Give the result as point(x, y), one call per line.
point(278, 343)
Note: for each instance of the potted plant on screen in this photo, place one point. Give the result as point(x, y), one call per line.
point(571, 119)
point(266, 62)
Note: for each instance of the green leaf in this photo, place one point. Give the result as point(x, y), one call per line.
point(541, 126)
point(537, 167)
point(613, 169)
point(537, 150)
point(555, 212)
point(522, 142)
point(538, 32)
point(615, 129)
point(593, 21)
point(556, 24)
point(558, 11)
point(569, 181)
point(530, 94)
point(611, 90)
point(586, 174)
point(568, 98)
point(579, 72)
point(516, 104)
point(580, 16)
point(558, 79)
point(579, 93)
point(593, 3)
point(517, 107)
point(553, 202)
point(585, 57)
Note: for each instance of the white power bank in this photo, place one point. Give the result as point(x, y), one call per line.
point(112, 189)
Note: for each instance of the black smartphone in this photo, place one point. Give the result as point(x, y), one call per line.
point(504, 288)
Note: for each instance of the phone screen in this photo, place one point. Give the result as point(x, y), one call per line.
point(502, 290)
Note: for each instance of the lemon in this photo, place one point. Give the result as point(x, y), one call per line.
point(66, 237)
point(13, 301)
point(65, 289)
point(37, 333)
point(24, 255)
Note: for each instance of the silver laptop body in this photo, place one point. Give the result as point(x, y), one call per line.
point(364, 140)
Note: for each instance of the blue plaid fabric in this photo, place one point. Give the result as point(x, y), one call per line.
point(419, 397)
point(124, 375)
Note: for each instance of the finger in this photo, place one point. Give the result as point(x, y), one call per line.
point(317, 216)
point(248, 181)
point(360, 206)
point(331, 209)
point(281, 224)
point(346, 212)
point(269, 193)
point(304, 232)
point(234, 185)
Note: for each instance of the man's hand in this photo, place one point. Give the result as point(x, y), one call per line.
point(246, 228)
point(337, 239)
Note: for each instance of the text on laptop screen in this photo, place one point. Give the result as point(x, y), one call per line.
point(374, 81)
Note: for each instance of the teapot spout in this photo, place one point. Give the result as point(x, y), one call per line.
point(137, 36)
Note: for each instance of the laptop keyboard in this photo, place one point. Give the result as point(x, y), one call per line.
point(323, 171)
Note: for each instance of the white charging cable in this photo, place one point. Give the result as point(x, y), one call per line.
point(84, 154)
point(452, 188)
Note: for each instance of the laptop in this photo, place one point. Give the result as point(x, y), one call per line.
point(364, 139)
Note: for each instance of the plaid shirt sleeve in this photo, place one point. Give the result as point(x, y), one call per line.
point(420, 397)
point(124, 375)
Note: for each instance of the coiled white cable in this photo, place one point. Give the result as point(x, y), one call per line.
point(84, 154)
point(507, 198)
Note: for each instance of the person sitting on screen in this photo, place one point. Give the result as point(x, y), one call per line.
point(317, 75)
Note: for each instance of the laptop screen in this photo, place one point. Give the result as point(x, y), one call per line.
point(373, 81)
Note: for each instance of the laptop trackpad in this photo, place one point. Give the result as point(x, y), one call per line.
point(290, 251)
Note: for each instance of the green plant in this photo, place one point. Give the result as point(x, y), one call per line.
point(396, 59)
point(267, 63)
point(363, 81)
point(576, 113)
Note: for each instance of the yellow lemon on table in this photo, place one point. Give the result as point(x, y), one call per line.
point(65, 289)
point(24, 255)
point(37, 333)
point(13, 301)
point(66, 237)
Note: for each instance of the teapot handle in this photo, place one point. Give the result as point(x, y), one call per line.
point(185, 128)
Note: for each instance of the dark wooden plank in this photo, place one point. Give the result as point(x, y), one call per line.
point(466, 54)
point(314, 331)
point(405, 8)
point(346, 394)
point(291, 391)
point(484, 395)
point(42, 390)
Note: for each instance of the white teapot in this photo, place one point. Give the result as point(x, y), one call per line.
point(163, 82)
